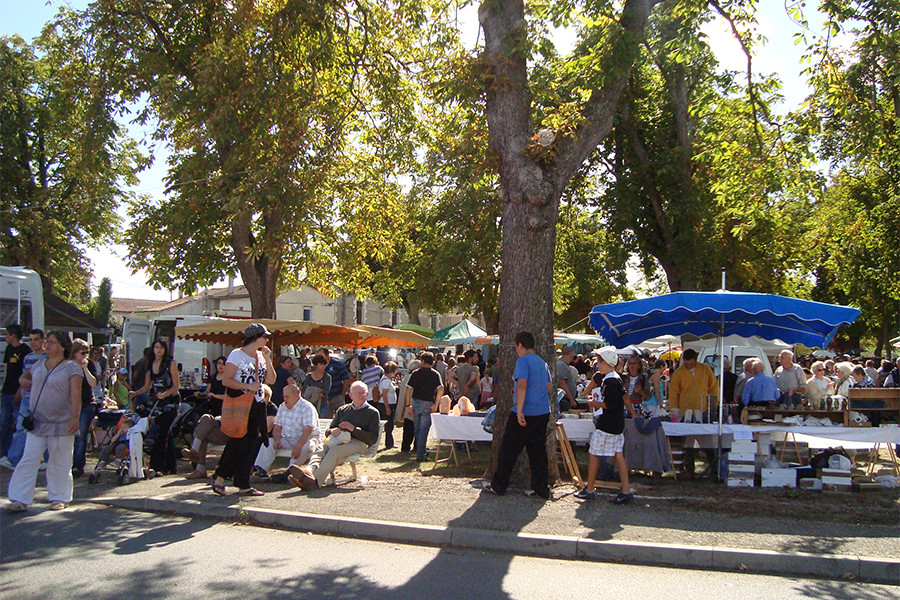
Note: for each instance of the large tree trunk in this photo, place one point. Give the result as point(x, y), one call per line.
point(530, 189)
point(260, 274)
point(412, 311)
point(491, 321)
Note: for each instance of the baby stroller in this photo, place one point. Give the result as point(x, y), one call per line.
point(106, 425)
point(139, 438)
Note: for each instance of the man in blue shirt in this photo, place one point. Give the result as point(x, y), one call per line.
point(527, 423)
point(761, 388)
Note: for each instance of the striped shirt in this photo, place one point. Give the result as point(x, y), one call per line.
point(370, 376)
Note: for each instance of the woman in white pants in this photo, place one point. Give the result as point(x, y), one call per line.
point(55, 407)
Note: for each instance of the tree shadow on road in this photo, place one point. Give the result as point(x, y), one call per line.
point(843, 590)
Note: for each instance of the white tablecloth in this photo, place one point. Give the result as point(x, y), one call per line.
point(451, 427)
point(448, 427)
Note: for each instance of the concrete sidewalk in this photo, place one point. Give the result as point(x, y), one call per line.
point(399, 506)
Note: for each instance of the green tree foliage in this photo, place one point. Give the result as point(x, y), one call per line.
point(101, 306)
point(286, 121)
point(854, 114)
point(590, 266)
point(64, 159)
point(703, 177)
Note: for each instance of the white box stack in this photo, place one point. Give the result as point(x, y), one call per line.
point(742, 463)
point(777, 478)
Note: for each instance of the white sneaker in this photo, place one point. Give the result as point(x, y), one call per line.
point(4, 463)
point(116, 464)
point(43, 467)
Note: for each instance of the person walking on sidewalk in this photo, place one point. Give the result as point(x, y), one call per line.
point(526, 426)
point(609, 437)
point(56, 404)
point(247, 370)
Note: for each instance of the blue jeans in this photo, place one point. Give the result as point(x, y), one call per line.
point(422, 424)
point(7, 421)
point(17, 448)
point(84, 425)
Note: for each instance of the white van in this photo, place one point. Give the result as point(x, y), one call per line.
point(737, 354)
point(194, 359)
point(21, 301)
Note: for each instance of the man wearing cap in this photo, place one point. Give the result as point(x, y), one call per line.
point(608, 439)
point(526, 426)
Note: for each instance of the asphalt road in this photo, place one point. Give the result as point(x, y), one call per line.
point(102, 553)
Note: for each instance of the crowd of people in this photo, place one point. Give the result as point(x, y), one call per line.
point(256, 407)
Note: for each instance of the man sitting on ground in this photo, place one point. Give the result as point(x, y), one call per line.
point(353, 429)
point(296, 429)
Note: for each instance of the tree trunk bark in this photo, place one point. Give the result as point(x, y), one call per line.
point(412, 311)
point(530, 188)
point(491, 321)
point(260, 274)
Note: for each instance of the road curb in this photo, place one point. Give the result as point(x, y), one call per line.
point(797, 564)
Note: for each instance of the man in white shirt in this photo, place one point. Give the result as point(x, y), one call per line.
point(296, 429)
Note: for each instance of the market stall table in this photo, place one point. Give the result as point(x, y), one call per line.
point(449, 428)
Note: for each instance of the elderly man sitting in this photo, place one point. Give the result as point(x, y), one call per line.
point(353, 429)
point(296, 429)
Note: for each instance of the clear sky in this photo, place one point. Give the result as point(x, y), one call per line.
point(779, 55)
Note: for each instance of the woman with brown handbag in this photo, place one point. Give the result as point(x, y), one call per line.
point(244, 409)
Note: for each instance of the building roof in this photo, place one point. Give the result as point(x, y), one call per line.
point(129, 305)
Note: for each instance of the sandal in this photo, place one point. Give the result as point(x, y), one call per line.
point(251, 492)
point(59, 506)
point(218, 489)
point(16, 507)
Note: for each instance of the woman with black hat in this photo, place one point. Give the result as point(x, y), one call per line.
point(246, 369)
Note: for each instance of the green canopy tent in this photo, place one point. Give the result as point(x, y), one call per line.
point(464, 332)
point(420, 329)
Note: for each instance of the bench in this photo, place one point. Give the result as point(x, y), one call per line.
point(352, 459)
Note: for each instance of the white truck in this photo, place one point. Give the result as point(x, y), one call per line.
point(21, 301)
point(194, 359)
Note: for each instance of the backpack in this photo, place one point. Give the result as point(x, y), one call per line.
point(487, 423)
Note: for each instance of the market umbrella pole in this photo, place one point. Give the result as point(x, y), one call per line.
point(721, 385)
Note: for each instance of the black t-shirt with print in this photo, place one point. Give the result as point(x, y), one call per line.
point(612, 392)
